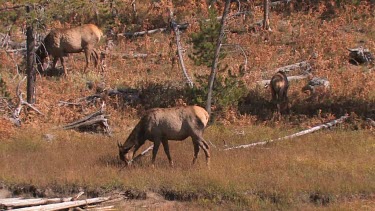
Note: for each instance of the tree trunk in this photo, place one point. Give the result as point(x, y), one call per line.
point(216, 57)
point(266, 20)
point(30, 70)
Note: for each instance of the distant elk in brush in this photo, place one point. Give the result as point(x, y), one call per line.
point(279, 89)
point(60, 42)
point(162, 124)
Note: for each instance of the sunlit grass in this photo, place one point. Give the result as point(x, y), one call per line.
point(333, 165)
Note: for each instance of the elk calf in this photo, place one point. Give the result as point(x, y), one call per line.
point(60, 42)
point(163, 124)
point(279, 89)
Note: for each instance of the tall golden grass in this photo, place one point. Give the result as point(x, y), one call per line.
point(325, 168)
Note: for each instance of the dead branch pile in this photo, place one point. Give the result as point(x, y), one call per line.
point(92, 122)
point(15, 118)
point(358, 56)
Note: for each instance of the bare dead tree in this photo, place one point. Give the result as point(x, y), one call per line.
point(17, 111)
point(266, 19)
point(216, 57)
point(174, 26)
point(30, 57)
point(134, 8)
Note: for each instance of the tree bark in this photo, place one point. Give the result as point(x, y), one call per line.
point(30, 57)
point(216, 57)
point(266, 20)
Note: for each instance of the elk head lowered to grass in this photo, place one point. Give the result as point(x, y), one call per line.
point(60, 42)
point(279, 89)
point(162, 124)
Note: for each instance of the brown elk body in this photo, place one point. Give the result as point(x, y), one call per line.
point(60, 42)
point(279, 89)
point(163, 124)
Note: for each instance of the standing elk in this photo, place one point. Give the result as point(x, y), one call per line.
point(162, 124)
point(279, 89)
point(60, 42)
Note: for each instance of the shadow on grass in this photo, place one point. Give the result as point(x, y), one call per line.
point(53, 72)
point(256, 104)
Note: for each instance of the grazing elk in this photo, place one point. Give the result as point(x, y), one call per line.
point(279, 89)
point(162, 124)
point(60, 42)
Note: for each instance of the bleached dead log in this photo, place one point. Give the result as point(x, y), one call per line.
point(20, 202)
point(360, 55)
point(371, 122)
point(176, 30)
point(276, 3)
point(64, 205)
point(96, 118)
point(304, 132)
point(304, 66)
point(143, 153)
point(101, 208)
point(290, 78)
point(135, 55)
point(152, 31)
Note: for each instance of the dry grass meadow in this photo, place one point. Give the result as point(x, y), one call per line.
point(328, 170)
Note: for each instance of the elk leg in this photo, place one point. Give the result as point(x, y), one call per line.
point(196, 151)
point(96, 57)
point(155, 151)
point(273, 92)
point(203, 144)
point(55, 59)
point(88, 57)
point(166, 150)
point(63, 65)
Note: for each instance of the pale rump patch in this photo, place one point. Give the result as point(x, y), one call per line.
point(201, 114)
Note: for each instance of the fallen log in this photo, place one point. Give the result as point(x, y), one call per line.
point(64, 205)
point(20, 202)
point(290, 78)
point(276, 3)
point(304, 132)
point(97, 118)
point(371, 122)
point(143, 153)
point(304, 66)
point(152, 31)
